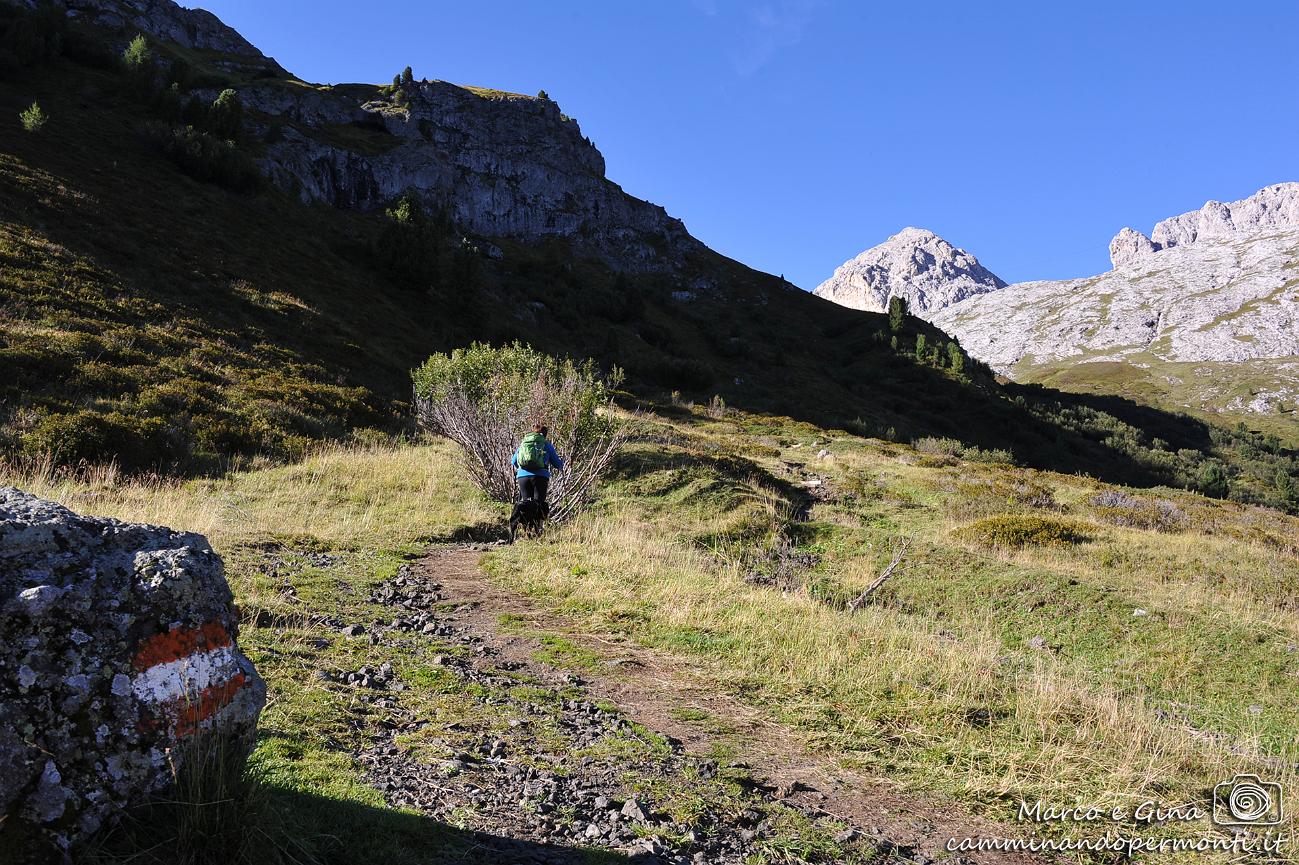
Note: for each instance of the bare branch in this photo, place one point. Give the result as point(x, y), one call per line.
point(899, 550)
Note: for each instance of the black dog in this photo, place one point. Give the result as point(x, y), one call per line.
point(529, 515)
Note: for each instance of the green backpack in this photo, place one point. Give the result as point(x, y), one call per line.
point(532, 453)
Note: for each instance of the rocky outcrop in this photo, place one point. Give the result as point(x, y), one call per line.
point(1272, 207)
point(1128, 246)
point(498, 164)
point(164, 19)
point(913, 264)
point(117, 642)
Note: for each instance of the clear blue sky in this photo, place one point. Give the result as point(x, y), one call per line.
point(792, 134)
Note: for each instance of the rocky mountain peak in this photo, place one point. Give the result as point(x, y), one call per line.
point(1272, 207)
point(914, 264)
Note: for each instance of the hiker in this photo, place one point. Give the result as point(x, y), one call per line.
point(533, 460)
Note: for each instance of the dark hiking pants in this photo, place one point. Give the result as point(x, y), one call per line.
point(534, 488)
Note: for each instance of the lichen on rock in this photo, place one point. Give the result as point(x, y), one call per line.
point(117, 642)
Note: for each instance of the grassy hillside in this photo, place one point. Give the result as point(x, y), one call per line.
point(173, 324)
point(1044, 636)
point(1187, 386)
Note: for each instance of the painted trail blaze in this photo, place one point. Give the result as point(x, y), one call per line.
point(185, 676)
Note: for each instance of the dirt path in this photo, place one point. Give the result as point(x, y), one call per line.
point(663, 694)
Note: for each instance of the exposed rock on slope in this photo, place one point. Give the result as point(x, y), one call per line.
point(914, 264)
point(116, 642)
point(1272, 207)
point(1215, 286)
point(498, 164)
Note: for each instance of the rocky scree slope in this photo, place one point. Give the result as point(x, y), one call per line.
point(1217, 285)
point(914, 264)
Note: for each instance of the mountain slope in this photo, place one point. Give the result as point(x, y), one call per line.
point(914, 264)
point(154, 317)
point(1203, 314)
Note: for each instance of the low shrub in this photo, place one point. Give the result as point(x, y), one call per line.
point(1120, 509)
point(1017, 531)
point(938, 446)
point(204, 157)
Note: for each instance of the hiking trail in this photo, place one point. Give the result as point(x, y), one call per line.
point(638, 721)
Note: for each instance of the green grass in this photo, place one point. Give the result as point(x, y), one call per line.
point(938, 683)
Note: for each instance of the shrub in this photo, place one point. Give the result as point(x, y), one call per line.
point(1017, 531)
point(938, 446)
point(1120, 509)
point(485, 399)
point(226, 117)
point(204, 157)
point(34, 118)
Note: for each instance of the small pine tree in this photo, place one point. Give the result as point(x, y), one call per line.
point(955, 358)
point(920, 346)
point(1213, 481)
point(897, 313)
point(541, 94)
point(1285, 486)
point(894, 342)
point(137, 55)
point(34, 118)
point(396, 81)
point(407, 76)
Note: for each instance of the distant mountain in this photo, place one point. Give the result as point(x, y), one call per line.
point(1204, 313)
point(914, 264)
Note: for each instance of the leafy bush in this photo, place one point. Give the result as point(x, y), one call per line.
point(33, 118)
point(133, 442)
point(1017, 531)
point(485, 399)
point(205, 157)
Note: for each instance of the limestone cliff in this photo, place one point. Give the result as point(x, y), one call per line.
point(497, 164)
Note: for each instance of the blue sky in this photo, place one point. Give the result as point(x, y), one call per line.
point(792, 134)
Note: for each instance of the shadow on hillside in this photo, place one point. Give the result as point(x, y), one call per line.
point(355, 834)
point(290, 827)
point(631, 464)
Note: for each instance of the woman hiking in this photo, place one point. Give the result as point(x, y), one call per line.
point(533, 461)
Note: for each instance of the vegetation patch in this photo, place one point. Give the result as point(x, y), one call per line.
point(1017, 531)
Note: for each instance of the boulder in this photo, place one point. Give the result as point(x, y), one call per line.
point(117, 643)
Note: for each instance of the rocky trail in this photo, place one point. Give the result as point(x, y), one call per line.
point(631, 754)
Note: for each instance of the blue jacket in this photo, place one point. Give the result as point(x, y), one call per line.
point(552, 460)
